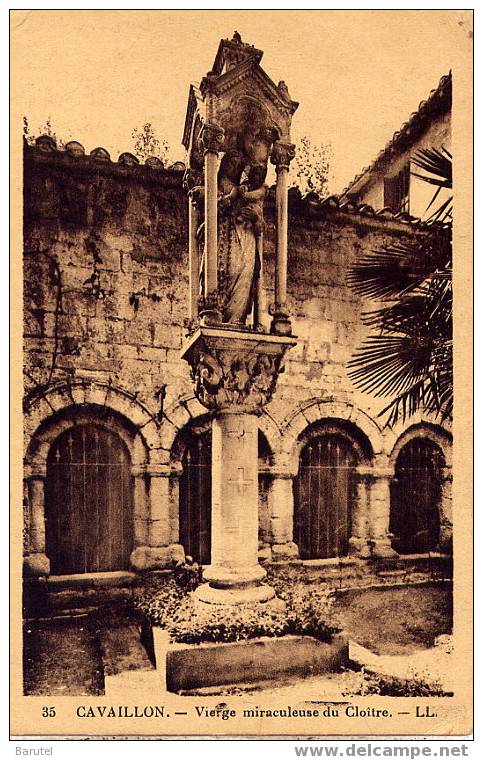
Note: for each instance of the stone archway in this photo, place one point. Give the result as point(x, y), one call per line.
point(325, 490)
point(86, 402)
point(88, 500)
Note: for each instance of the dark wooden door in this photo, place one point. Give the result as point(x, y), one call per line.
point(416, 497)
point(195, 499)
point(324, 493)
point(89, 521)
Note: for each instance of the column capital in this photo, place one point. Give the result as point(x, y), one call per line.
point(382, 473)
point(280, 473)
point(35, 471)
point(365, 472)
point(192, 179)
point(154, 470)
point(211, 138)
point(282, 154)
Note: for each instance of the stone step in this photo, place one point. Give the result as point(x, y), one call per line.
point(122, 650)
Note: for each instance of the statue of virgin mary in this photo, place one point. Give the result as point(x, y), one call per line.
point(240, 209)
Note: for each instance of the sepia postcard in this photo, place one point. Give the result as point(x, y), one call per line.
point(242, 501)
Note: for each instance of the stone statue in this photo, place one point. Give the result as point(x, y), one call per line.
point(240, 210)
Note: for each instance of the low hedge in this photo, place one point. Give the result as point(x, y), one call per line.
point(308, 612)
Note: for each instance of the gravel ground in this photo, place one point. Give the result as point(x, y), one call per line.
point(71, 656)
point(397, 621)
point(62, 658)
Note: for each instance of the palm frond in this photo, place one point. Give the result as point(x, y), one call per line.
point(434, 162)
point(409, 356)
point(400, 266)
point(437, 163)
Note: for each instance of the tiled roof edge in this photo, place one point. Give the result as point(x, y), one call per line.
point(437, 103)
point(46, 145)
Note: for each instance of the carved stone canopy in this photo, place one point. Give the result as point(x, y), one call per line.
point(237, 91)
point(235, 370)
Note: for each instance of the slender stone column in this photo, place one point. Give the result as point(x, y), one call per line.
point(156, 547)
point(37, 562)
point(159, 518)
point(234, 574)
point(194, 263)
point(380, 506)
point(140, 506)
point(358, 542)
point(211, 140)
point(281, 517)
point(282, 154)
point(259, 305)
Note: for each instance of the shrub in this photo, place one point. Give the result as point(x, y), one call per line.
point(419, 685)
point(308, 611)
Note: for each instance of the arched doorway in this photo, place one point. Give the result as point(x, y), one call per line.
point(88, 501)
point(416, 496)
point(195, 491)
point(325, 490)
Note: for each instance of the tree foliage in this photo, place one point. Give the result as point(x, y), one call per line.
point(311, 167)
point(146, 143)
point(409, 355)
point(44, 129)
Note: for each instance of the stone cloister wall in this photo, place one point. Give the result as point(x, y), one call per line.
point(105, 308)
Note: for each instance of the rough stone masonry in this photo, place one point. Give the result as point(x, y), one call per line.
point(105, 307)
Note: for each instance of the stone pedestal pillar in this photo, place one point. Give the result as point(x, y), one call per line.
point(281, 517)
point(380, 506)
point(234, 574)
point(36, 563)
point(359, 540)
point(235, 374)
point(282, 154)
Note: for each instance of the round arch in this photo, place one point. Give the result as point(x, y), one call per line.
point(70, 406)
point(47, 415)
point(435, 433)
point(364, 432)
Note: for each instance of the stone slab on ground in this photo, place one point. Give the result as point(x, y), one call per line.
point(122, 649)
point(198, 665)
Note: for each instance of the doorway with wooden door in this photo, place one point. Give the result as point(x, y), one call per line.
point(88, 501)
point(325, 490)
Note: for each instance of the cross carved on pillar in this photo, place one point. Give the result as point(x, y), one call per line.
point(241, 482)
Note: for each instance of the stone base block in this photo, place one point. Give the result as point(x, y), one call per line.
point(264, 553)
point(36, 565)
point(222, 577)
point(358, 547)
point(234, 596)
point(285, 551)
point(156, 557)
point(196, 666)
point(382, 550)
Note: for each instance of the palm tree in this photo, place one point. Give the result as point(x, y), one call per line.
point(409, 355)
